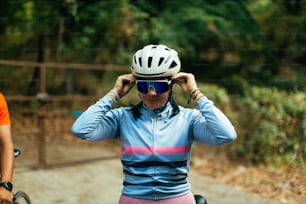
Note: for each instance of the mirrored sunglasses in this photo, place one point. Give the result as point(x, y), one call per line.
point(159, 86)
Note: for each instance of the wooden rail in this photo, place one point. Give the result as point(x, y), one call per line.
point(66, 65)
point(43, 98)
point(51, 98)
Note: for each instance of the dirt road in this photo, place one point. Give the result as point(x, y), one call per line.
point(99, 181)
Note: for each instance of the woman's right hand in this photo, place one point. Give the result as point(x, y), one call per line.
point(124, 84)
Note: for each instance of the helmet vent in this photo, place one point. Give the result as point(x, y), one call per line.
point(139, 59)
point(161, 61)
point(173, 64)
point(149, 61)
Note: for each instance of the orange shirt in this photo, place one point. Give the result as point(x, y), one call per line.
point(4, 112)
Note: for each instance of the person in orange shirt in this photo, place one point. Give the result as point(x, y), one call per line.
point(6, 154)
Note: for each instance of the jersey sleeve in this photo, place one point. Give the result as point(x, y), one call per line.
point(211, 126)
point(4, 112)
point(98, 122)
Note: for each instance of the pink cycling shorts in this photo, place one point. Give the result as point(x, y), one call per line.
point(184, 199)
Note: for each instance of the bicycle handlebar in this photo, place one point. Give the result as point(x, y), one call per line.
point(17, 152)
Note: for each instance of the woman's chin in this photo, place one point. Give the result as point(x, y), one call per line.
point(153, 105)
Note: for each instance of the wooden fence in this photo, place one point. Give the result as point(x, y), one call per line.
point(43, 98)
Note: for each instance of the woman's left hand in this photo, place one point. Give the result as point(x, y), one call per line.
point(186, 81)
point(5, 196)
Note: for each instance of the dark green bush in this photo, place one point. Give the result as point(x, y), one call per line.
point(271, 126)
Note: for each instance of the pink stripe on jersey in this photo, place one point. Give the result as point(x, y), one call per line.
point(155, 150)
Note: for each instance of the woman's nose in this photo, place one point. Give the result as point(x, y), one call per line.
point(151, 91)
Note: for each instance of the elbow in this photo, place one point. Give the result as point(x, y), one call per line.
point(226, 137)
point(231, 135)
point(76, 132)
point(81, 132)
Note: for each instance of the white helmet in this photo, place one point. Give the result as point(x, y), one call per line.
point(155, 61)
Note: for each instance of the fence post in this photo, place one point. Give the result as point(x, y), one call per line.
point(42, 97)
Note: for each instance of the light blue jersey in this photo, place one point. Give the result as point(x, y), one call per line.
point(155, 147)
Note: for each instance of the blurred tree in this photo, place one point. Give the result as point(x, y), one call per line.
point(293, 6)
point(285, 32)
point(217, 40)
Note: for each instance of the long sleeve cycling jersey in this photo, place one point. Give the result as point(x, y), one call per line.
point(156, 147)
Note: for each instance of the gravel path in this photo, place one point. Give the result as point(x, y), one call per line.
point(99, 181)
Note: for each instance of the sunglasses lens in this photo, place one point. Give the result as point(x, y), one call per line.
point(142, 87)
point(158, 86)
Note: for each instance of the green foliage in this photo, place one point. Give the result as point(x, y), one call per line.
point(271, 126)
point(14, 81)
point(213, 38)
point(236, 44)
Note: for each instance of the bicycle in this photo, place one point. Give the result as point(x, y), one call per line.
point(200, 199)
point(20, 197)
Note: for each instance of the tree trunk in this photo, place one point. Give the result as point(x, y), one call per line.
point(34, 84)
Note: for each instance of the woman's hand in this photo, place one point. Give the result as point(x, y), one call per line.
point(186, 81)
point(5, 196)
point(124, 84)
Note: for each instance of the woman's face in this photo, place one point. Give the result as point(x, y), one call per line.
point(152, 99)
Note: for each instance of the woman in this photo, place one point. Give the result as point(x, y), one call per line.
point(6, 154)
point(156, 135)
